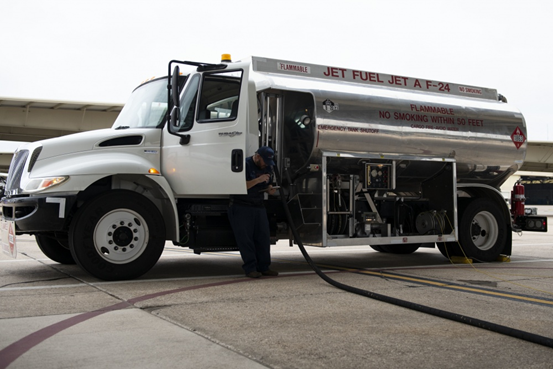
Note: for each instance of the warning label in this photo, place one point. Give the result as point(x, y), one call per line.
point(518, 138)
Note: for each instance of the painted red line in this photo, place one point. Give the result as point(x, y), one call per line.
point(16, 349)
point(183, 289)
point(12, 352)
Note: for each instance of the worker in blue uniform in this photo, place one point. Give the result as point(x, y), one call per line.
point(248, 217)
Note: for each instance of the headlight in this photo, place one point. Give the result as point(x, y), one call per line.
point(39, 184)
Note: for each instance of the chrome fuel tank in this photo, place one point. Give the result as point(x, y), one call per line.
point(420, 119)
point(486, 138)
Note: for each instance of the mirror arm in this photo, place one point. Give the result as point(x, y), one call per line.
point(184, 140)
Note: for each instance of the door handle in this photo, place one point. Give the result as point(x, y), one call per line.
point(237, 160)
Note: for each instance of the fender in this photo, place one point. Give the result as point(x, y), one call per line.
point(126, 169)
point(127, 156)
point(478, 189)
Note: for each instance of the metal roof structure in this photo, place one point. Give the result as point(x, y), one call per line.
point(56, 105)
point(28, 120)
point(539, 157)
point(31, 120)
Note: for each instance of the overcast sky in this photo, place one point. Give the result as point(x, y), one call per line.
point(99, 50)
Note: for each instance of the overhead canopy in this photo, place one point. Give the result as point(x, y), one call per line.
point(539, 157)
point(32, 120)
point(55, 104)
point(26, 120)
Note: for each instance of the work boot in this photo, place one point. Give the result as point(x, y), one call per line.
point(253, 275)
point(270, 273)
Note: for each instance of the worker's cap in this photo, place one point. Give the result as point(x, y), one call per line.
point(267, 154)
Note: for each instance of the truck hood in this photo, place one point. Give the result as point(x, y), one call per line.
point(95, 140)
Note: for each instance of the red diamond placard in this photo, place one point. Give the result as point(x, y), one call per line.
point(518, 138)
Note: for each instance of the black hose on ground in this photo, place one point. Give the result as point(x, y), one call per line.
point(527, 336)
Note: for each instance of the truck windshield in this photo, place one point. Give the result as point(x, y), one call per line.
point(146, 108)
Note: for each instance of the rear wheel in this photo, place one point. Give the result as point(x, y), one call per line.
point(55, 249)
point(482, 232)
point(117, 235)
point(449, 249)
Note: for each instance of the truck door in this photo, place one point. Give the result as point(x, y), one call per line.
point(204, 152)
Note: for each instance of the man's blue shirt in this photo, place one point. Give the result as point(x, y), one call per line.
point(254, 196)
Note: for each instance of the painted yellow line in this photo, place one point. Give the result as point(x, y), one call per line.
point(422, 281)
point(441, 284)
point(454, 287)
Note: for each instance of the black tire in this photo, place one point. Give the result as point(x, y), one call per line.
point(401, 249)
point(398, 250)
point(377, 248)
point(483, 230)
point(449, 249)
point(117, 235)
point(55, 249)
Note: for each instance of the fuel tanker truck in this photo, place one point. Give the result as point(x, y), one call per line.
point(364, 158)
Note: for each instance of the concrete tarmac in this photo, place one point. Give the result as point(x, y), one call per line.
point(199, 311)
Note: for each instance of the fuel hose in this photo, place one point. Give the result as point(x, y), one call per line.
point(498, 328)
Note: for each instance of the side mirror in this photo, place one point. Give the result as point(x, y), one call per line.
point(175, 86)
point(175, 94)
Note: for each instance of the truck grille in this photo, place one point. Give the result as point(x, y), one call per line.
point(16, 170)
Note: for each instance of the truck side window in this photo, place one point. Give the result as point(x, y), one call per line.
point(219, 96)
point(188, 104)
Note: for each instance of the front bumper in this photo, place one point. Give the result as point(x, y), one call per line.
point(38, 214)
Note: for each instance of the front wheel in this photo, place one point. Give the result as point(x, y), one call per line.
point(55, 249)
point(117, 235)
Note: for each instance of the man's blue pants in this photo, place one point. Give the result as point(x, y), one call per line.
point(252, 234)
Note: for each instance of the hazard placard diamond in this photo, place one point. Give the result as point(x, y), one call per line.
point(518, 138)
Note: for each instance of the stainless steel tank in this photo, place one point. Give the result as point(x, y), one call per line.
point(405, 117)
